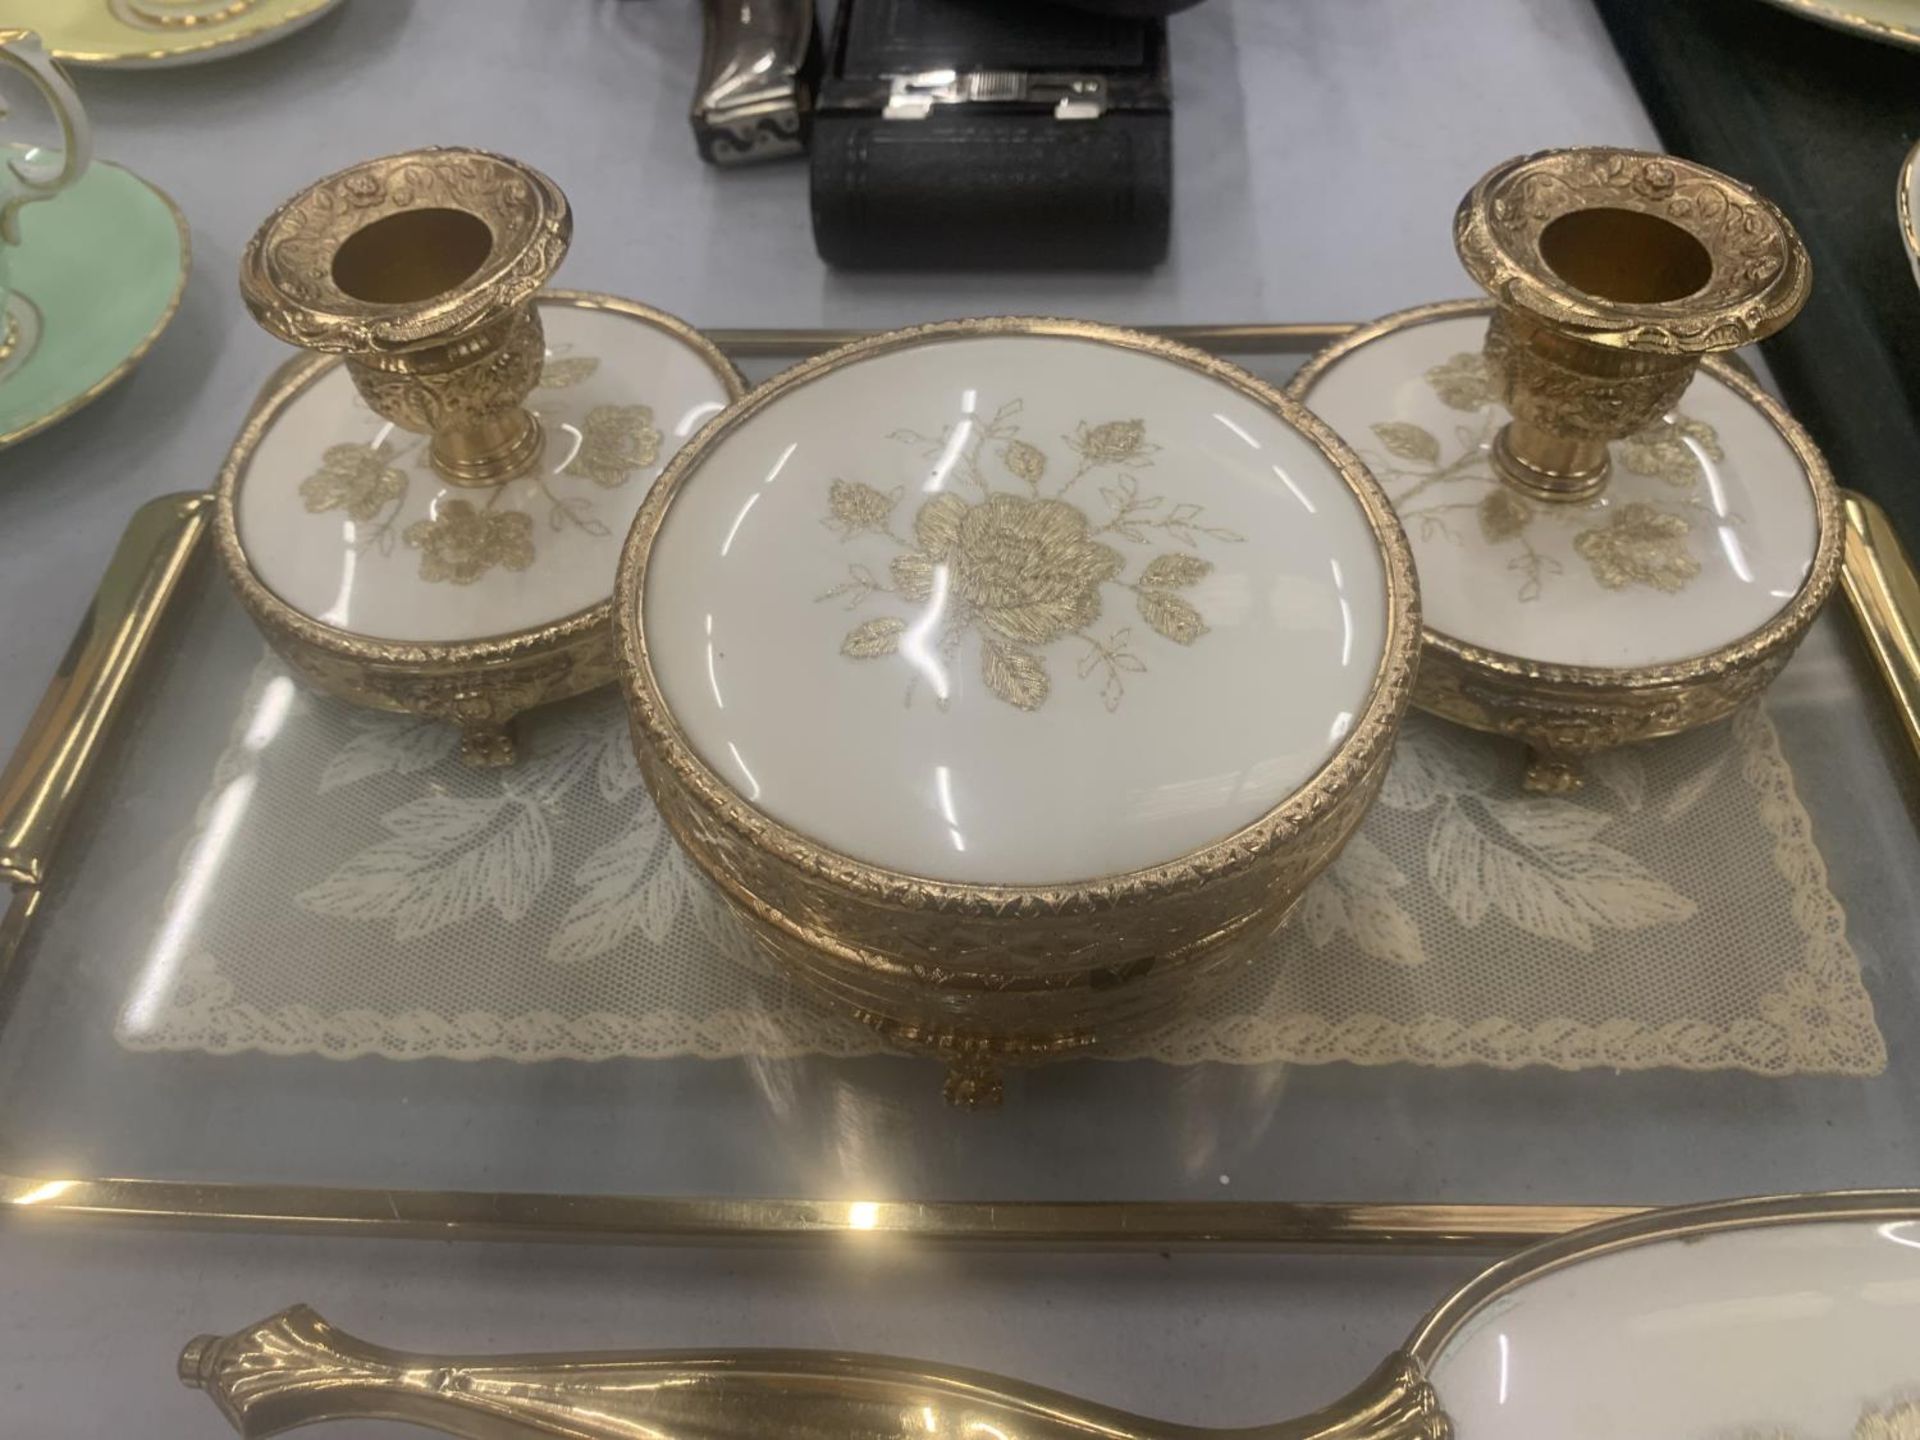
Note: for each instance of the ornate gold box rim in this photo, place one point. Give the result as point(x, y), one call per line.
point(664, 743)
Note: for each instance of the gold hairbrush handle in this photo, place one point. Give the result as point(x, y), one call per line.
point(295, 1369)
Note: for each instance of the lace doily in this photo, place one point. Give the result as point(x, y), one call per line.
point(352, 889)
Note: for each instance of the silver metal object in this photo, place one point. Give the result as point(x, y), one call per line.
point(1074, 97)
point(755, 89)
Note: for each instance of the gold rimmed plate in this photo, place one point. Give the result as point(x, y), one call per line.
point(155, 34)
point(98, 275)
point(1907, 204)
point(1895, 21)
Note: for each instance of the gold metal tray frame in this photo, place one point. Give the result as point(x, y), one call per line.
point(48, 772)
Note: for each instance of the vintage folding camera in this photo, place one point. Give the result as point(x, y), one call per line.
point(972, 134)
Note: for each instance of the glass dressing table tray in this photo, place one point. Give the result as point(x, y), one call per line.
point(270, 964)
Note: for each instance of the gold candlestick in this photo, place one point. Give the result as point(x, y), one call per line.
point(1614, 273)
point(465, 576)
point(421, 268)
point(1619, 535)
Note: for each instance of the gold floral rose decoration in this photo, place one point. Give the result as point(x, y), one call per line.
point(1638, 543)
point(1019, 567)
point(459, 542)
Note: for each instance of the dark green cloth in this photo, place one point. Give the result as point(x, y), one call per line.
point(1819, 121)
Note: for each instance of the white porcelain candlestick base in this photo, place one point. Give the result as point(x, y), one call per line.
point(1658, 604)
point(384, 582)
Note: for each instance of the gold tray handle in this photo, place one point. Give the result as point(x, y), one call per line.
point(296, 1369)
point(1880, 583)
point(42, 782)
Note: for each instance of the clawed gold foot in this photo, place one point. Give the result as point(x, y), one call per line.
point(1552, 773)
point(488, 746)
point(974, 1082)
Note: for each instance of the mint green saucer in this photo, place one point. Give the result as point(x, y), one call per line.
point(101, 268)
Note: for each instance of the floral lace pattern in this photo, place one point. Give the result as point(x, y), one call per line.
point(384, 899)
point(1442, 492)
point(461, 542)
point(1016, 566)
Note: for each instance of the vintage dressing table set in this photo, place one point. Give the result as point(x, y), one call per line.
point(1011, 681)
point(892, 629)
point(1011, 678)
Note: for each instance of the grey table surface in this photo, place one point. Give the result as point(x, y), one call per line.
point(1321, 147)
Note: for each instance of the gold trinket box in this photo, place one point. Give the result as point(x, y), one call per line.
point(426, 516)
point(1620, 536)
point(1013, 676)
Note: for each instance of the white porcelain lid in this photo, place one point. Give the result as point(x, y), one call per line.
point(341, 515)
point(1705, 531)
point(1015, 609)
point(1790, 1332)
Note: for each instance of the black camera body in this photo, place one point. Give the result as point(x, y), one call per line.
point(992, 134)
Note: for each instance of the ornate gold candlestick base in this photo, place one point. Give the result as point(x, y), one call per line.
point(1577, 624)
point(1614, 272)
point(426, 517)
point(1615, 542)
point(419, 268)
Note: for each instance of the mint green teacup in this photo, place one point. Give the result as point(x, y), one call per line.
point(23, 181)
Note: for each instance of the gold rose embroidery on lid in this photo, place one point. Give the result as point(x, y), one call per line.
point(1672, 451)
point(359, 479)
point(460, 543)
point(1463, 383)
point(1900, 1422)
point(615, 441)
point(1019, 570)
point(1111, 442)
point(1639, 545)
point(1444, 489)
point(363, 481)
point(857, 509)
point(563, 372)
